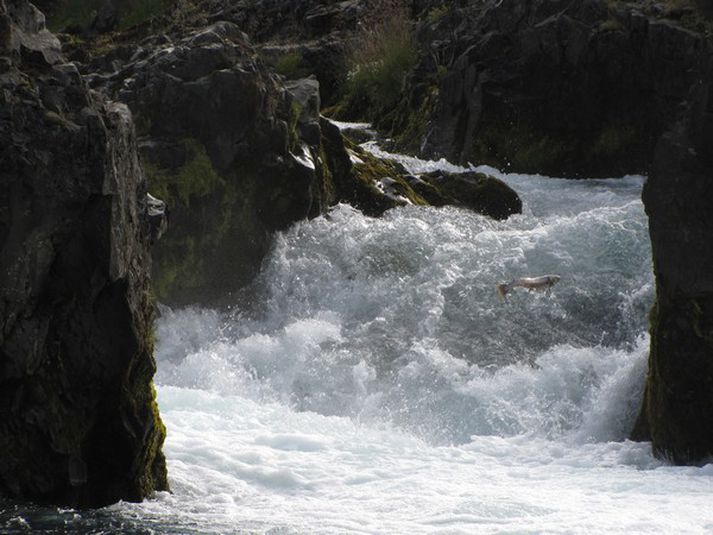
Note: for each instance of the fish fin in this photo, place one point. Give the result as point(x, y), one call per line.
point(503, 289)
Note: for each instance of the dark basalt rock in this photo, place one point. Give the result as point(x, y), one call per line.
point(481, 193)
point(232, 150)
point(578, 88)
point(677, 413)
point(79, 423)
point(289, 20)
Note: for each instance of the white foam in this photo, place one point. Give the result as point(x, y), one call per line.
point(377, 384)
point(237, 465)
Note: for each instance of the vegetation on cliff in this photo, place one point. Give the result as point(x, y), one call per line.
point(383, 53)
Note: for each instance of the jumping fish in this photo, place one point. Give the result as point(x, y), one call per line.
point(545, 282)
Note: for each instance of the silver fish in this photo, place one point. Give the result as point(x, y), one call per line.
point(544, 282)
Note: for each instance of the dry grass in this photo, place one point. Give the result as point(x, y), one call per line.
point(383, 52)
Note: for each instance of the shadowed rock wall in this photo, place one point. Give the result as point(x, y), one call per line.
point(567, 88)
point(677, 413)
point(79, 423)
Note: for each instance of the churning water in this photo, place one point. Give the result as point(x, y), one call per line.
point(372, 381)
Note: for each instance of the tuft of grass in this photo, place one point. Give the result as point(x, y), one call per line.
point(383, 54)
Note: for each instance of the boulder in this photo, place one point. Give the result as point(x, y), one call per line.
point(479, 192)
point(79, 424)
point(375, 185)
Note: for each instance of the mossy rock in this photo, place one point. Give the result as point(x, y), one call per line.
point(409, 126)
point(203, 206)
point(375, 185)
point(479, 192)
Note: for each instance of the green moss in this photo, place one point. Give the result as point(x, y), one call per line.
point(143, 124)
point(366, 195)
point(140, 11)
point(614, 139)
point(200, 203)
point(291, 66)
point(140, 402)
point(196, 178)
point(613, 149)
point(611, 25)
point(677, 399)
point(520, 148)
point(293, 136)
point(701, 324)
point(412, 125)
point(328, 186)
point(438, 13)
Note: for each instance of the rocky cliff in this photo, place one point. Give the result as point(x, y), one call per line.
point(225, 143)
point(677, 412)
point(237, 151)
point(576, 89)
point(78, 418)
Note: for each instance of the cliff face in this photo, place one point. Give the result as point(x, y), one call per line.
point(78, 418)
point(238, 153)
point(232, 150)
point(564, 88)
point(677, 412)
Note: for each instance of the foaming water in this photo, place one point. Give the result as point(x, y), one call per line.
point(372, 381)
point(397, 319)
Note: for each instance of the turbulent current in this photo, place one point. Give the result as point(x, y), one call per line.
point(372, 381)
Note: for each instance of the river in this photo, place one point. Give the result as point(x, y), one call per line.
point(372, 381)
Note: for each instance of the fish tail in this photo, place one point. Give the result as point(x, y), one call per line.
point(503, 289)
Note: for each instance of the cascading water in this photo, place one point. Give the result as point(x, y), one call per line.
point(372, 381)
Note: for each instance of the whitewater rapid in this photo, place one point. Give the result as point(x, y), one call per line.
point(372, 381)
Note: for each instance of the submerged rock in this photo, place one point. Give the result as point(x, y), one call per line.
point(677, 413)
point(79, 424)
